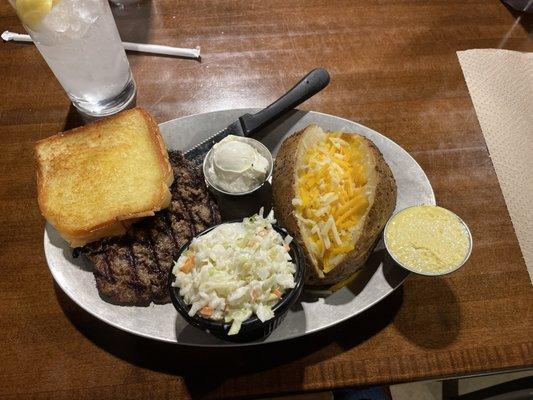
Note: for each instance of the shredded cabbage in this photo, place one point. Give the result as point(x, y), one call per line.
point(236, 270)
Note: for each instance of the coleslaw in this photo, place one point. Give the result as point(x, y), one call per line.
point(236, 270)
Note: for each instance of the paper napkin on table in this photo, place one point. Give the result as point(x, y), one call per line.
point(501, 87)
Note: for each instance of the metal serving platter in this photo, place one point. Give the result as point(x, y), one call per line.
point(314, 311)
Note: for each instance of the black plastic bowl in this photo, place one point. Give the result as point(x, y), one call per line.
point(252, 328)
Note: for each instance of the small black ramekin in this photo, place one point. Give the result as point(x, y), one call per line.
point(252, 328)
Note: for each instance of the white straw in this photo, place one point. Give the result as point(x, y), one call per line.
point(141, 47)
point(158, 49)
point(17, 37)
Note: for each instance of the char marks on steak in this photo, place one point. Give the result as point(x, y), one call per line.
point(133, 269)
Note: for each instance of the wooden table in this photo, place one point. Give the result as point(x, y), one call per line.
point(394, 69)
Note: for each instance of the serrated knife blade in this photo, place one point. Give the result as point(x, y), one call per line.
point(248, 124)
point(198, 152)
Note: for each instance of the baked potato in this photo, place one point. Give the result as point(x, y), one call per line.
point(334, 192)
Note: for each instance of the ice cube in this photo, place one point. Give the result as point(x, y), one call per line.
point(58, 19)
point(71, 18)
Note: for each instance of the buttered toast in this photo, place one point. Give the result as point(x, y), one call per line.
point(94, 181)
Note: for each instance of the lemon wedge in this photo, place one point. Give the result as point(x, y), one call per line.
point(32, 12)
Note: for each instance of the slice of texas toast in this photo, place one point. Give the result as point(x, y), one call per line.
point(94, 181)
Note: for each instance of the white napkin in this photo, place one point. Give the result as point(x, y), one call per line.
point(501, 86)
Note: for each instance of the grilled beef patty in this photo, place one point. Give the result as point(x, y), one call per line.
point(133, 269)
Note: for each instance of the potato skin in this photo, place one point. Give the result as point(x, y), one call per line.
point(283, 190)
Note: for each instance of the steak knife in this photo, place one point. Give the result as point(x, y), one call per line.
point(248, 124)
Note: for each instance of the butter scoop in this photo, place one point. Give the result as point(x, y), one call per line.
point(235, 165)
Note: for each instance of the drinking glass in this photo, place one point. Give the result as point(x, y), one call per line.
point(80, 42)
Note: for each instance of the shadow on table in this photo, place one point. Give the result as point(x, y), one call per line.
point(133, 20)
point(220, 364)
point(525, 19)
point(435, 308)
point(76, 119)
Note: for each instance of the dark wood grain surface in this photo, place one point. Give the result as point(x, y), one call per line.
point(394, 69)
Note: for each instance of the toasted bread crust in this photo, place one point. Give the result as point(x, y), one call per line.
point(283, 190)
point(161, 148)
point(121, 222)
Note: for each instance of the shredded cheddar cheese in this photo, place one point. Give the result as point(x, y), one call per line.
point(330, 196)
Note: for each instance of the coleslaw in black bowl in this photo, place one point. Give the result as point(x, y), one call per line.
point(237, 280)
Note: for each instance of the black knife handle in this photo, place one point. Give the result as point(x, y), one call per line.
point(312, 83)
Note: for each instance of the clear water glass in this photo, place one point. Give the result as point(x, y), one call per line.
point(80, 42)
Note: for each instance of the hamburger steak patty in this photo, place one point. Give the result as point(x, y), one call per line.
point(133, 269)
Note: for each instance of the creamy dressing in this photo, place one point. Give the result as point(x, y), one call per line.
point(428, 239)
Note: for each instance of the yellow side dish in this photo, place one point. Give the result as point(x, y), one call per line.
point(330, 196)
point(428, 239)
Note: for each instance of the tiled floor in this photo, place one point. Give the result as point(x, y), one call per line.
point(309, 396)
point(426, 390)
point(432, 390)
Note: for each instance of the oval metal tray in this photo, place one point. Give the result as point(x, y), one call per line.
point(313, 312)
